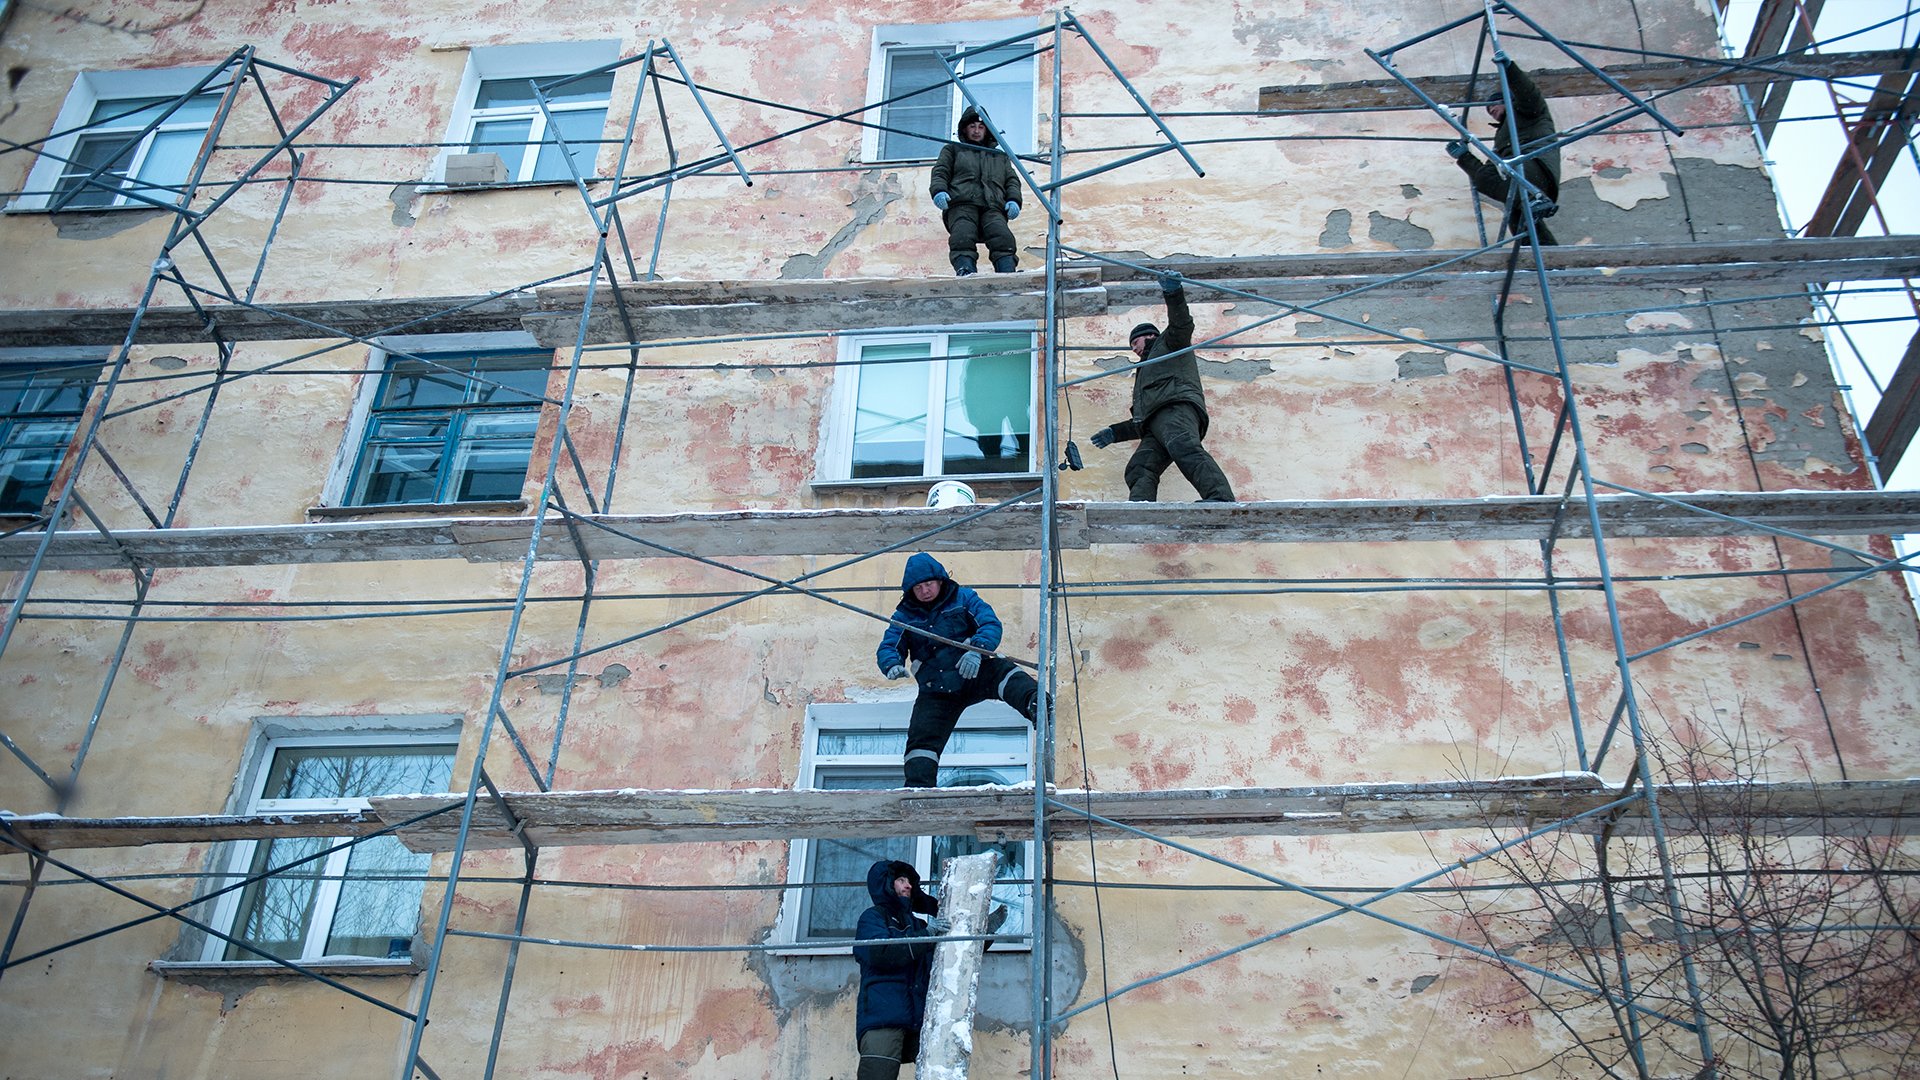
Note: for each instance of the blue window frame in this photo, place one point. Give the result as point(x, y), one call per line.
point(451, 428)
point(40, 409)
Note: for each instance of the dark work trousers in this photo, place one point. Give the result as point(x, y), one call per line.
point(1488, 180)
point(969, 225)
point(881, 1051)
point(1172, 436)
point(935, 714)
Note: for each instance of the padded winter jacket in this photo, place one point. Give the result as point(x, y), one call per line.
point(957, 613)
point(1156, 386)
point(893, 978)
point(977, 174)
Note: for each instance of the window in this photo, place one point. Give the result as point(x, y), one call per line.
point(954, 403)
point(40, 408)
point(360, 901)
point(450, 427)
point(859, 747)
point(105, 125)
point(498, 113)
point(907, 61)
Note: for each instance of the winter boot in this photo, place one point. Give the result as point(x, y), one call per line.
point(1004, 264)
point(964, 265)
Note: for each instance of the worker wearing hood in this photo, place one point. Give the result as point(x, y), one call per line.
point(893, 977)
point(951, 676)
point(977, 192)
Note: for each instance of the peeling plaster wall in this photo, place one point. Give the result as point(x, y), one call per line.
point(1300, 688)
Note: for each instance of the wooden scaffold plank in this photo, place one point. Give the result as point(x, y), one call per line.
point(1079, 525)
point(1652, 78)
point(1004, 813)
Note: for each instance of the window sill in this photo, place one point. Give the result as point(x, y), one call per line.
point(976, 481)
point(495, 508)
point(440, 187)
point(370, 966)
point(83, 211)
point(846, 950)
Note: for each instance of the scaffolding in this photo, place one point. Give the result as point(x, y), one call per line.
point(615, 304)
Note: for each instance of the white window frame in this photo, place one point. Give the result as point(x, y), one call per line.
point(543, 60)
point(955, 35)
point(865, 716)
point(338, 487)
point(89, 89)
point(835, 464)
point(236, 860)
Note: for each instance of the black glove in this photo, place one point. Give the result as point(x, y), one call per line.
point(1457, 149)
point(1169, 283)
point(1102, 438)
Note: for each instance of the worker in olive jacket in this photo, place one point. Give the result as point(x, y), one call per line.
point(1169, 409)
point(977, 192)
point(1535, 123)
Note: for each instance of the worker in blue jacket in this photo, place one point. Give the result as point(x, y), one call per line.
point(893, 976)
point(951, 677)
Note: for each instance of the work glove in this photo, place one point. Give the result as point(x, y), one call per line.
point(897, 671)
point(969, 665)
point(937, 926)
point(1457, 149)
point(1102, 438)
point(1169, 283)
point(941, 199)
point(1013, 210)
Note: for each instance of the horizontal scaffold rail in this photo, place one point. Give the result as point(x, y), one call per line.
point(1579, 82)
point(677, 310)
point(1078, 525)
point(992, 813)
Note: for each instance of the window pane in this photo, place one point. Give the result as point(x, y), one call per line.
point(592, 90)
point(835, 913)
point(508, 138)
point(328, 772)
point(490, 459)
point(511, 380)
point(891, 743)
point(378, 917)
point(1008, 911)
point(989, 414)
point(989, 741)
point(274, 913)
point(890, 412)
point(582, 128)
point(504, 93)
point(169, 162)
point(1006, 93)
point(30, 453)
point(137, 113)
point(401, 462)
point(923, 120)
point(413, 384)
point(90, 153)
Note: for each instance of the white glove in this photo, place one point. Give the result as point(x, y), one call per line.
point(897, 671)
point(969, 665)
point(938, 926)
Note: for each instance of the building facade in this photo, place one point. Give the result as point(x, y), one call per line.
point(286, 660)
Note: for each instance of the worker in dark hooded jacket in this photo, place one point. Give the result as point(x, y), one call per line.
point(893, 977)
point(1535, 123)
point(977, 192)
point(951, 677)
point(1169, 409)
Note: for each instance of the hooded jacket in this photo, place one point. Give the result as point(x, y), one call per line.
point(957, 613)
point(893, 978)
point(1158, 385)
point(1535, 124)
point(974, 174)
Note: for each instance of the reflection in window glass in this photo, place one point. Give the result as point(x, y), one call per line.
point(39, 412)
point(451, 428)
